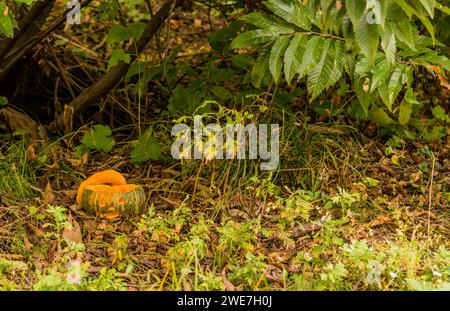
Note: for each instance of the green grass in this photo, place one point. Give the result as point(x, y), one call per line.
point(17, 175)
point(329, 219)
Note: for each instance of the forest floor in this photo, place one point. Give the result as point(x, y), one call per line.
point(346, 211)
point(370, 216)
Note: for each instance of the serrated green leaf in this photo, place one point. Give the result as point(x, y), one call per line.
point(291, 11)
point(118, 33)
point(395, 85)
point(423, 12)
point(401, 26)
point(311, 56)
point(117, 56)
point(276, 60)
point(99, 138)
point(147, 148)
point(318, 77)
point(293, 56)
point(406, 107)
point(355, 10)
point(255, 37)
point(389, 45)
point(266, 22)
point(408, 75)
point(338, 64)
point(380, 74)
point(329, 15)
point(367, 37)
point(136, 30)
point(383, 92)
point(261, 68)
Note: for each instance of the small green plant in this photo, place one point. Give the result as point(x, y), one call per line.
point(146, 148)
point(249, 272)
point(99, 138)
point(107, 280)
point(346, 200)
point(264, 187)
point(59, 216)
point(234, 238)
point(13, 269)
point(7, 19)
point(334, 276)
point(297, 206)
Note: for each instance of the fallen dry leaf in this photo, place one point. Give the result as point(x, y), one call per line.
point(421, 214)
point(85, 159)
point(72, 232)
point(71, 194)
point(197, 22)
point(273, 273)
point(380, 220)
point(37, 231)
point(49, 197)
point(30, 154)
point(228, 285)
point(26, 243)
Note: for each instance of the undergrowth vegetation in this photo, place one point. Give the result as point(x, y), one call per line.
point(359, 201)
point(345, 220)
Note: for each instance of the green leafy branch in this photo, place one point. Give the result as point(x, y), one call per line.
point(320, 40)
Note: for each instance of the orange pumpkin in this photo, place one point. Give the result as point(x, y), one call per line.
point(107, 195)
point(108, 177)
point(113, 201)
